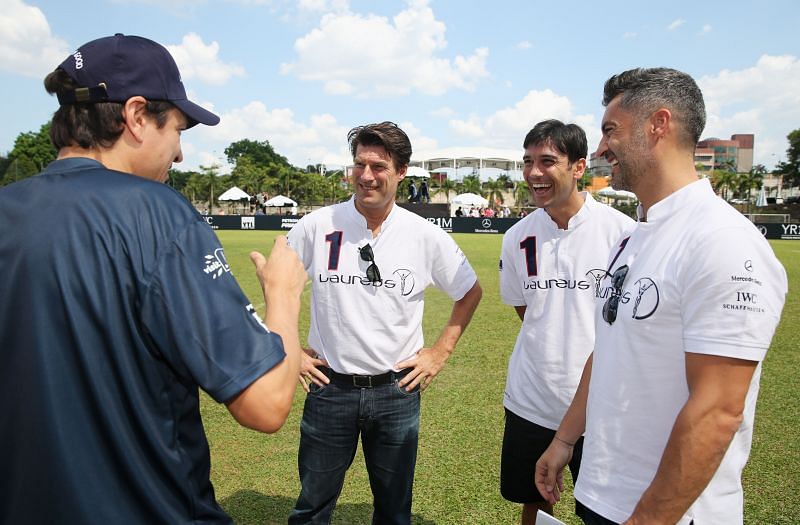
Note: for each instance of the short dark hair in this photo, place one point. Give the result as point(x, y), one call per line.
point(645, 90)
point(568, 139)
point(92, 124)
point(387, 134)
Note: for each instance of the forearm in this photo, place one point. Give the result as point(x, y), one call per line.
point(282, 318)
point(461, 315)
point(265, 404)
point(699, 438)
point(698, 441)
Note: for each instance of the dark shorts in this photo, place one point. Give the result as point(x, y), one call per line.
point(523, 443)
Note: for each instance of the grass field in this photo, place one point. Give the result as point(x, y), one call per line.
point(255, 475)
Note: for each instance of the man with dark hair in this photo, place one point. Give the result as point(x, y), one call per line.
point(370, 262)
point(549, 265)
point(118, 303)
point(685, 314)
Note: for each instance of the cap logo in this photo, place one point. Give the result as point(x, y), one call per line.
point(78, 60)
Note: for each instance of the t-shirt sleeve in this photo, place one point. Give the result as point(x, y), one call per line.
point(301, 242)
point(733, 298)
point(200, 321)
point(452, 272)
point(510, 289)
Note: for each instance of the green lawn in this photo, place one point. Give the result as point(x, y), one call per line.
point(255, 475)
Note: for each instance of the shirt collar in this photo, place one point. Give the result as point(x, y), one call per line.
point(673, 203)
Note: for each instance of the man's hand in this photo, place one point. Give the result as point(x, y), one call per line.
point(309, 373)
point(425, 366)
point(281, 274)
point(549, 475)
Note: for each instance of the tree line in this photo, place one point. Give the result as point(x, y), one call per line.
point(258, 168)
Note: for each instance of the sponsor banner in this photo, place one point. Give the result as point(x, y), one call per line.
point(485, 225)
point(250, 222)
point(783, 231)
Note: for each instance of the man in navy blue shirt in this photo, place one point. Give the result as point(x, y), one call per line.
point(118, 303)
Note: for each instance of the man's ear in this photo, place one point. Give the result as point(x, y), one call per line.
point(401, 173)
point(660, 122)
point(134, 117)
point(578, 169)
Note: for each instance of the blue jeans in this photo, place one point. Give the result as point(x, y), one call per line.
point(387, 419)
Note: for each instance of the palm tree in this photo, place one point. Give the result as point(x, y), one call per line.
point(446, 186)
point(493, 190)
point(521, 194)
point(472, 184)
point(722, 181)
point(210, 174)
point(752, 180)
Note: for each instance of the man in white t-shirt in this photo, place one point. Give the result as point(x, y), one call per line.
point(551, 262)
point(370, 262)
point(684, 319)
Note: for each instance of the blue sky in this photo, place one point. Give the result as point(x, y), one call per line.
point(453, 74)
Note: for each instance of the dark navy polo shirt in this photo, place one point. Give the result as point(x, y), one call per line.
point(116, 304)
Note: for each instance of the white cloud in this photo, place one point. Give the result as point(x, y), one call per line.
point(197, 60)
point(763, 99)
point(419, 141)
point(376, 56)
point(443, 112)
point(676, 24)
point(629, 35)
point(706, 29)
point(508, 126)
point(324, 6)
point(319, 140)
point(471, 128)
point(524, 45)
point(27, 47)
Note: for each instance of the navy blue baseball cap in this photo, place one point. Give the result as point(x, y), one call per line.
point(116, 68)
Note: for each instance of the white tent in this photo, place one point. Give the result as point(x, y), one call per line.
point(280, 201)
point(616, 194)
point(233, 194)
point(469, 199)
point(416, 171)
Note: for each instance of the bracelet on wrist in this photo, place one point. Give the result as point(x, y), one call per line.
point(567, 443)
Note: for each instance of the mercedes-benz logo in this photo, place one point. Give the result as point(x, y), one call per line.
point(487, 223)
point(748, 265)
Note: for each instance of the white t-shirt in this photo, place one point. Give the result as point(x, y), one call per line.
point(554, 273)
point(364, 328)
point(701, 279)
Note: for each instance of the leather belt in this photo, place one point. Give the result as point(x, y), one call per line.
point(357, 381)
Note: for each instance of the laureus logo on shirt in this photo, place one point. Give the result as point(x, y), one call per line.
point(407, 281)
point(216, 264)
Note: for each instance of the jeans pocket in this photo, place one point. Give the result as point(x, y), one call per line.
point(402, 389)
point(315, 390)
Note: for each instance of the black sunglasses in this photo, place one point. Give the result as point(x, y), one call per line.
point(612, 303)
point(373, 274)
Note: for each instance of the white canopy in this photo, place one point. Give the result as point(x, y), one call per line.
point(469, 199)
point(416, 171)
point(616, 194)
point(280, 201)
point(233, 194)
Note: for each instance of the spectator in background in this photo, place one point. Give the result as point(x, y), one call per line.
point(423, 192)
point(412, 192)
